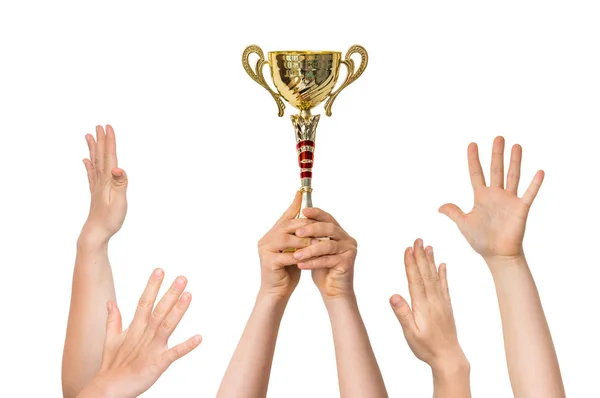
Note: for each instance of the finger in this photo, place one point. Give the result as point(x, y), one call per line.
point(114, 323)
point(323, 262)
point(110, 149)
point(430, 260)
point(421, 260)
point(497, 167)
point(280, 260)
point(416, 286)
point(166, 303)
point(403, 312)
point(91, 174)
point(290, 226)
point(443, 274)
point(180, 350)
point(475, 170)
point(314, 213)
point(534, 188)
point(322, 229)
point(288, 241)
point(91, 143)
point(147, 300)
point(293, 210)
point(119, 181)
point(100, 148)
point(453, 212)
point(322, 248)
point(168, 325)
point(514, 170)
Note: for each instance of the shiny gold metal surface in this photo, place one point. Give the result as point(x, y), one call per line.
point(305, 79)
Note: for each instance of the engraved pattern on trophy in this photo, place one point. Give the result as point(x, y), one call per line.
point(352, 74)
point(257, 75)
point(305, 79)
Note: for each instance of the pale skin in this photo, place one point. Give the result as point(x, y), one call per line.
point(429, 326)
point(332, 265)
point(134, 359)
point(250, 367)
point(495, 228)
point(93, 284)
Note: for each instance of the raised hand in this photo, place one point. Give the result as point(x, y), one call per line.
point(429, 327)
point(496, 225)
point(332, 260)
point(279, 273)
point(108, 186)
point(134, 359)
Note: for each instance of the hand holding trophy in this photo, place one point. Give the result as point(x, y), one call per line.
point(305, 79)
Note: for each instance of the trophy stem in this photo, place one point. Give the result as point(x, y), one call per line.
point(305, 127)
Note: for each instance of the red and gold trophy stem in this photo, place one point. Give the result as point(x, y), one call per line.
point(305, 126)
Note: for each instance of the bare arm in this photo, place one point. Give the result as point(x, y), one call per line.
point(250, 367)
point(93, 282)
point(532, 362)
point(332, 265)
point(495, 229)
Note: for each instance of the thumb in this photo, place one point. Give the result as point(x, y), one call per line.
point(293, 210)
point(403, 312)
point(119, 179)
point(114, 325)
point(452, 211)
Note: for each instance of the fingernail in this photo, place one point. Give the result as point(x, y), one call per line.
point(300, 232)
point(314, 241)
point(298, 255)
point(158, 273)
point(197, 339)
point(180, 281)
point(419, 243)
point(186, 296)
point(396, 300)
point(430, 250)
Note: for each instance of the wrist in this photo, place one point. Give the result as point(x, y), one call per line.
point(92, 238)
point(451, 367)
point(498, 263)
point(271, 297)
point(96, 389)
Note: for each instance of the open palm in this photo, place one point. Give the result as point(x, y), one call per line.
point(495, 227)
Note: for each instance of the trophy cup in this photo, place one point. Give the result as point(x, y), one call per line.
point(305, 79)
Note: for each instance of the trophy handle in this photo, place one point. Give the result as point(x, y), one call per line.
point(352, 74)
point(257, 74)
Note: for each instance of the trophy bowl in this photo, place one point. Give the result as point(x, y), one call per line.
point(304, 78)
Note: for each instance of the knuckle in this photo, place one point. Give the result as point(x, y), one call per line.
point(167, 325)
point(144, 303)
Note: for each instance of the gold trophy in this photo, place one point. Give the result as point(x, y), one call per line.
point(305, 79)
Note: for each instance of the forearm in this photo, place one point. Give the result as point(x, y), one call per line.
point(358, 371)
point(92, 287)
point(532, 363)
point(452, 380)
point(250, 367)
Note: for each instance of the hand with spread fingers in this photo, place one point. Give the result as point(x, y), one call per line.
point(429, 327)
point(331, 260)
point(134, 359)
point(496, 225)
point(495, 228)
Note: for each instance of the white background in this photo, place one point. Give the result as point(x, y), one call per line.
point(211, 167)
